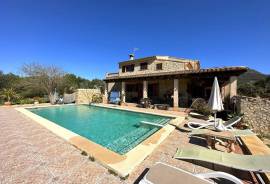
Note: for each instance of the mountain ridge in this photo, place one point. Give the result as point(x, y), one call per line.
point(251, 76)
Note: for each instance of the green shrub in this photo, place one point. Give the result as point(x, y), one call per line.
point(36, 98)
point(41, 99)
point(26, 101)
point(9, 95)
point(200, 106)
point(44, 100)
point(97, 98)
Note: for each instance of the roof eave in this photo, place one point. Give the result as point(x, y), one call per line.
point(235, 71)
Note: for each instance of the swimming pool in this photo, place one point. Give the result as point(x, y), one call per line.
point(117, 130)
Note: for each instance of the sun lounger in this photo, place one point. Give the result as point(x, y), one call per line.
point(198, 124)
point(195, 123)
point(198, 115)
point(255, 163)
point(162, 173)
point(229, 124)
point(230, 136)
point(225, 134)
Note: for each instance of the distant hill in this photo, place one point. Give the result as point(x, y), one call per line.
point(254, 84)
point(251, 76)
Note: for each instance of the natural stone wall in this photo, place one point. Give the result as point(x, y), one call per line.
point(256, 113)
point(84, 96)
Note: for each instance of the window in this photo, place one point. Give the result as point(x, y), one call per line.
point(130, 68)
point(159, 66)
point(143, 66)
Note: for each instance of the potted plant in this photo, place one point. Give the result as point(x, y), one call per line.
point(97, 98)
point(9, 94)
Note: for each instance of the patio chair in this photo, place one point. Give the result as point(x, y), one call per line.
point(162, 173)
point(145, 102)
point(227, 125)
point(114, 97)
point(253, 163)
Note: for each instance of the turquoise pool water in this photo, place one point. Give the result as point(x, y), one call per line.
point(117, 130)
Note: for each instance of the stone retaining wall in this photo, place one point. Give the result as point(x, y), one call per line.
point(256, 113)
point(84, 96)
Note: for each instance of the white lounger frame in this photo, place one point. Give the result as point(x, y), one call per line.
point(203, 176)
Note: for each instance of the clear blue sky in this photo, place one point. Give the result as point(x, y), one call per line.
point(89, 38)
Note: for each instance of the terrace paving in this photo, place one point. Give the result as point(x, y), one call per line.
point(32, 154)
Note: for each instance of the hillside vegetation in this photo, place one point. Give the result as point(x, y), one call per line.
point(251, 76)
point(39, 83)
point(253, 83)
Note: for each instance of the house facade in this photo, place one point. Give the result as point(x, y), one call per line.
point(170, 80)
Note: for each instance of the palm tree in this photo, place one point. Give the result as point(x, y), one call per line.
point(9, 94)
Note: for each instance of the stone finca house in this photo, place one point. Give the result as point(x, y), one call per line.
point(170, 80)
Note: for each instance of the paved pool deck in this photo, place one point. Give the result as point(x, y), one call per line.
point(32, 154)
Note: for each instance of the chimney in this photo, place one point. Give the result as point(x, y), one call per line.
point(131, 56)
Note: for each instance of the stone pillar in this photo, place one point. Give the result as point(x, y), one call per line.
point(233, 86)
point(145, 89)
point(123, 92)
point(175, 93)
point(106, 93)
